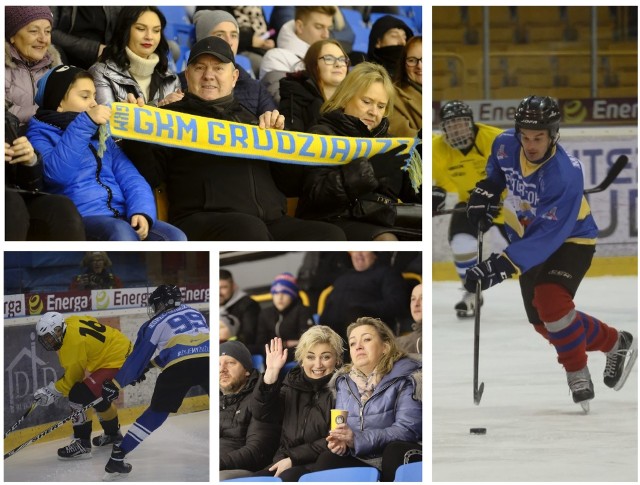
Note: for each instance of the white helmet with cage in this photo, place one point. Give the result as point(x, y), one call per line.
point(51, 329)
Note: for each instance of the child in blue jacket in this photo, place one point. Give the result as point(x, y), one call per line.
point(82, 162)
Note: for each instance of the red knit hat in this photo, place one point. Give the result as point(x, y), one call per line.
point(17, 17)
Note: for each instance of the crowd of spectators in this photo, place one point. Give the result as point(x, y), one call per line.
point(300, 77)
point(283, 369)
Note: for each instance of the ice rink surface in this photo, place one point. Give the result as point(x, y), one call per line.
point(178, 451)
point(534, 430)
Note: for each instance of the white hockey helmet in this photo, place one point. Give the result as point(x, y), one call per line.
point(51, 329)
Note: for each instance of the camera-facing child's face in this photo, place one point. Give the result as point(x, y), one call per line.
point(281, 300)
point(80, 97)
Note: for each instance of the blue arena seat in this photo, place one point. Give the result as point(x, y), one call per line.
point(183, 34)
point(258, 362)
point(266, 11)
point(254, 479)
point(350, 474)
point(288, 366)
point(411, 472)
point(175, 15)
point(407, 20)
point(414, 13)
point(360, 29)
point(244, 62)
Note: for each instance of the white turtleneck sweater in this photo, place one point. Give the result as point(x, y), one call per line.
point(141, 69)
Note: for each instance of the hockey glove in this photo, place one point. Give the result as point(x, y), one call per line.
point(484, 204)
point(438, 197)
point(47, 395)
point(110, 391)
point(143, 376)
point(490, 272)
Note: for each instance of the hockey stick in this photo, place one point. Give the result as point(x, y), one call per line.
point(52, 428)
point(34, 404)
point(477, 391)
point(613, 173)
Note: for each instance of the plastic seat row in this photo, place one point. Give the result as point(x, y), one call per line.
point(411, 472)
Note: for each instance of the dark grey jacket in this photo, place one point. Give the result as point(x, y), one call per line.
point(245, 442)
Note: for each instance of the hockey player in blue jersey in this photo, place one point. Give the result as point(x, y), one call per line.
point(180, 335)
point(552, 237)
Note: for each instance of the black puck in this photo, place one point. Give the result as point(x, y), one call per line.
point(478, 431)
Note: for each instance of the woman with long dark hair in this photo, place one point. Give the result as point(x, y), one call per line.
point(136, 62)
point(302, 93)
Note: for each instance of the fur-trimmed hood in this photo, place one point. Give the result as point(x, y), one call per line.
point(20, 80)
point(10, 52)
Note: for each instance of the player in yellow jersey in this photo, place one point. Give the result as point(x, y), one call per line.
point(90, 353)
point(459, 157)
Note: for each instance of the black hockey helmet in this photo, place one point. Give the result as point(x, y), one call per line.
point(163, 298)
point(455, 109)
point(538, 113)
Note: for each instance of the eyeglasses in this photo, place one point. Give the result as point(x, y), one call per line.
point(330, 60)
point(413, 61)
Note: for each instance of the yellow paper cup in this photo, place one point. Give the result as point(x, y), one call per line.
point(338, 416)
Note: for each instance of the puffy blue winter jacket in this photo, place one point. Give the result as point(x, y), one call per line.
point(73, 169)
point(392, 413)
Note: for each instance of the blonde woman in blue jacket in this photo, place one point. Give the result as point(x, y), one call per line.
point(382, 391)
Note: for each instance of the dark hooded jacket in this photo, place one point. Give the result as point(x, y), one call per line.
point(288, 324)
point(300, 101)
point(390, 55)
point(379, 291)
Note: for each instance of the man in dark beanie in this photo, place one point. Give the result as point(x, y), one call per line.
point(246, 444)
point(388, 36)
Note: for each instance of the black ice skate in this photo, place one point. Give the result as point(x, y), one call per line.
point(466, 308)
point(581, 387)
point(79, 449)
point(620, 361)
point(107, 439)
point(116, 468)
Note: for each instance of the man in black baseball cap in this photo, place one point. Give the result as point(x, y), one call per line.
point(210, 72)
point(220, 197)
point(214, 46)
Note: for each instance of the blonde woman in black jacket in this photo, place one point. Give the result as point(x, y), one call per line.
point(359, 108)
point(302, 401)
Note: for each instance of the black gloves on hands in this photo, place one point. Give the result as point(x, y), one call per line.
point(143, 376)
point(484, 204)
point(490, 272)
point(359, 177)
point(438, 198)
point(110, 391)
